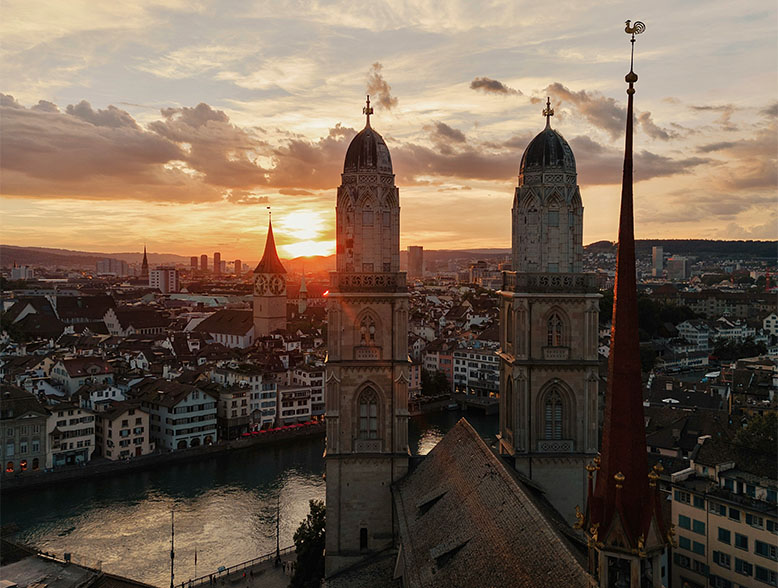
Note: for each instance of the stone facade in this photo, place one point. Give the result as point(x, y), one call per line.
point(366, 395)
point(549, 315)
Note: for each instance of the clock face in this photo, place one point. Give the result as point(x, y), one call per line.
point(260, 285)
point(277, 285)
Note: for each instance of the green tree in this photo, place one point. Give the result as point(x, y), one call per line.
point(309, 546)
point(760, 434)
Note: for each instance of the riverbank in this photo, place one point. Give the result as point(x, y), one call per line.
point(103, 467)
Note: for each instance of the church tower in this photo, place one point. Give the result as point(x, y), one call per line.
point(367, 360)
point(144, 266)
point(269, 290)
point(623, 521)
point(549, 313)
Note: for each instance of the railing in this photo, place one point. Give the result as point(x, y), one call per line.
point(225, 572)
point(549, 282)
point(556, 353)
point(368, 282)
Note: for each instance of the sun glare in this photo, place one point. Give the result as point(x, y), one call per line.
point(306, 248)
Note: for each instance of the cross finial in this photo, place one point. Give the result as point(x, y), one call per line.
point(548, 112)
point(367, 110)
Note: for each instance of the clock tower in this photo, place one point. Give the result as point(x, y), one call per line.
point(269, 290)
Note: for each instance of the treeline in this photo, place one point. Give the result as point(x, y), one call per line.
point(696, 248)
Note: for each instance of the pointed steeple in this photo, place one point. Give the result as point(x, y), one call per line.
point(623, 502)
point(303, 287)
point(144, 266)
point(270, 263)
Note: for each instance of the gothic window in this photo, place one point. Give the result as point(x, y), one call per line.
point(553, 218)
point(553, 415)
point(367, 331)
point(509, 325)
point(368, 415)
point(367, 218)
point(554, 330)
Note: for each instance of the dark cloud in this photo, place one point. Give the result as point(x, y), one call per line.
point(314, 165)
point(216, 147)
point(9, 101)
point(444, 137)
point(110, 117)
point(244, 197)
point(599, 164)
point(652, 130)
point(750, 163)
point(378, 87)
point(601, 111)
point(725, 115)
point(771, 110)
point(490, 86)
point(45, 106)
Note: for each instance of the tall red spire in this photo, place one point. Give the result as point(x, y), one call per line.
point(270, 263)
point(622, 502)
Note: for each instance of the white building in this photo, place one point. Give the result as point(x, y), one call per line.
point(22, 273)
point(164, 279)
point(476, 371)
point(770, 324)
point(71, 435)
point(696, 332)
point(73, 373)
point(311, 376)
point(263, 391)
point(181, 415)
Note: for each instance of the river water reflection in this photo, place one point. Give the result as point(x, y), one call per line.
point(225, 507)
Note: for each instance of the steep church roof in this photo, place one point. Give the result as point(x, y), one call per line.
point(465, 521)
point(622, 500)
point(368, 151)
point(270, 263)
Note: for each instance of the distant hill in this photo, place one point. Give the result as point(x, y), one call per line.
point(767, 250)
point(66, 258)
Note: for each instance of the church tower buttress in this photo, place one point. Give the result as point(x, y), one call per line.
point(269, 290)
point(367, 360)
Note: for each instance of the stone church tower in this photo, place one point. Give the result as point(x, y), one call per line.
point(549, 313)
point(367, 361)
point(269, 290)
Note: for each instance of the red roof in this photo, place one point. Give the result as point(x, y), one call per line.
point(270, 263)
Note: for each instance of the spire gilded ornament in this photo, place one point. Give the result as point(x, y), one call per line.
point(548, 112)
point(367, 110)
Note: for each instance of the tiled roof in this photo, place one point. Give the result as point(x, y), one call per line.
point(229, 322)
point(85, 366)
point(465, 521)
point(141, 318)
point(17, 402)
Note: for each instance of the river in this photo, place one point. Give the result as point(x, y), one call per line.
point(225, 507)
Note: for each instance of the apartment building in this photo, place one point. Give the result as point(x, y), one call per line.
point(726, 520)
point(262, 398)
point(71, 435)
point(476, 371)
point(22, 431)
point(123, 431)
point(181, 415)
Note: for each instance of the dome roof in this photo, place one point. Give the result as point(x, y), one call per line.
point(368, 152)
point(548, 149)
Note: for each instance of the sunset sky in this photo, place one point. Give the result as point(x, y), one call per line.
point(177, 123)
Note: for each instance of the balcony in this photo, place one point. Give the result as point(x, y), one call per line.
point(556, 353)
point(549, 282)
point(367, 445)
point(367, 352)
point(368, 282)
point(556, 446)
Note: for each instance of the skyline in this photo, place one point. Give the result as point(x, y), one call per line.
point(185, 125)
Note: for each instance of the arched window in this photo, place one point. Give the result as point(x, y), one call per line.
point(367, 331)
point(509, 325)
point(554, 330)
point(368, 414)
point(553, 415)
